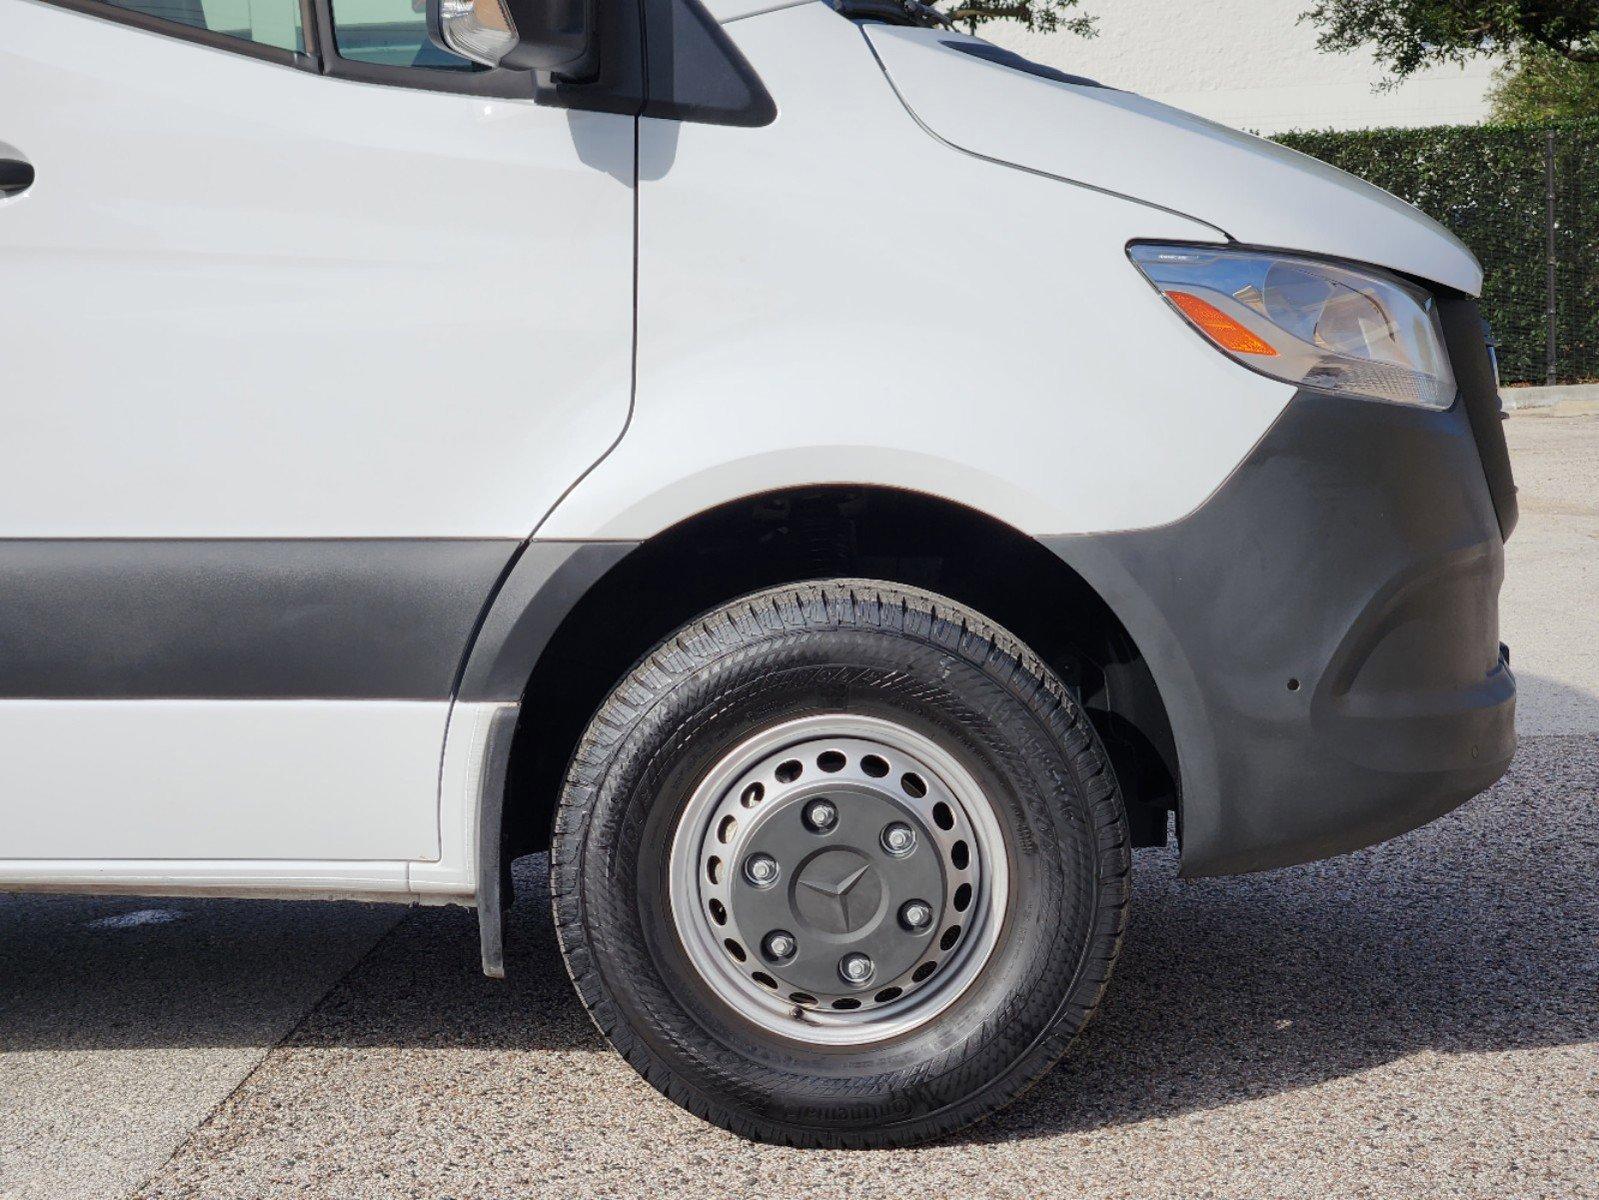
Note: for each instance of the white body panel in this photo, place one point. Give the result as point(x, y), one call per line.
point(207, 779)
point(243, 300)
point(447, 876)
point(461, 787)
point(815, 309)
point(1255, 190)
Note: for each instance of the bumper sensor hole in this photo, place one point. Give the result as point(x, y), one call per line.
point(1293, 685)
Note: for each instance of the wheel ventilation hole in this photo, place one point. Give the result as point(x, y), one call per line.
point(789, 771)
point(943, 816)
point(963, 897)
point(736, 950)
point(832, 762)
point(914, 785)
point(718, 912)
point(923, 971)
point(961, 855)
point(846, 1004)
point(874, 766)
point(804, 999)
point(753, 795)
point(724, 831)
point(951, 936)
point(713, 869)
point(765, 980)
point(887, 994)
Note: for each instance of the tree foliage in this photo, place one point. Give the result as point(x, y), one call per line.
point(1406, 35)
point(1540, 86)
point(1040, 16)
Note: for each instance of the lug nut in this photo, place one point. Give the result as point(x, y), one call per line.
point(916, 914)
point(899, 839)
point(820, 815)
point(761, 870)
point(779, 944)
point(855, 968)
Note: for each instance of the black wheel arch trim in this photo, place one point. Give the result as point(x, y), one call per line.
point(544, 585)
point(547, 581)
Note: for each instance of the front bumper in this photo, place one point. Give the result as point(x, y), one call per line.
point(1324, 633)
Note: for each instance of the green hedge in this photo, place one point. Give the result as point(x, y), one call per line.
point(1490, 185)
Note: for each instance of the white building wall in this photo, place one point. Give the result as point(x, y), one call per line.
point(1250, 64)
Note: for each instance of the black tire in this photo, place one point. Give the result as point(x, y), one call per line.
point(874, 648)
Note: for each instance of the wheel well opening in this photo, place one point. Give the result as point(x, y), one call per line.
point(818, 533)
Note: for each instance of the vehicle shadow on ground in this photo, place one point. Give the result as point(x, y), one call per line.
point(1476, 934)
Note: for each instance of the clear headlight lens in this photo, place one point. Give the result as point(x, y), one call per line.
point(1315, 324)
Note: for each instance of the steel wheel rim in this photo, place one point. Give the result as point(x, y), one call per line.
point(751, 805)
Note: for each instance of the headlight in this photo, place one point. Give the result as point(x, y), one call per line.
point(1315, 324)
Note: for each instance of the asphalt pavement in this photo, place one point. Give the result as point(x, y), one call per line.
point(1419, 1018)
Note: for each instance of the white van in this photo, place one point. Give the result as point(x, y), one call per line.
point(835, 484)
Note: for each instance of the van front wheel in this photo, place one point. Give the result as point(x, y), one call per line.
point(840, 864)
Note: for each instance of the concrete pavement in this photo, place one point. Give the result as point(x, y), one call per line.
point(125, 1022)
point(1549, 607)
point(1419, 1019)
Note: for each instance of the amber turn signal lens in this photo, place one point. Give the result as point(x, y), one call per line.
point(1219, 327)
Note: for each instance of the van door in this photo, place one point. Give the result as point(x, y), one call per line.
point(298, 347)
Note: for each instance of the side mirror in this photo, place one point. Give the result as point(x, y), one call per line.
point(523, 35)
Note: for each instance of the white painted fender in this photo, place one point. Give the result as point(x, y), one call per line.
point(840, 297)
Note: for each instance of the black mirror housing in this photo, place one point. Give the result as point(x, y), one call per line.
point(656, 58)
point(556, 37)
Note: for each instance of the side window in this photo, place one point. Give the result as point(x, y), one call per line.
point(390, 33)
point(263, 22)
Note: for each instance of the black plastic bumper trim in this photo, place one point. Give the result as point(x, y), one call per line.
point(1479, 393)
point(1324, 634)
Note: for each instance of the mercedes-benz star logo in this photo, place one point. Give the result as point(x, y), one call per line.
point(840, 903)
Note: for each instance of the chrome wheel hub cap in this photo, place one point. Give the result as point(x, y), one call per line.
point(838, 879)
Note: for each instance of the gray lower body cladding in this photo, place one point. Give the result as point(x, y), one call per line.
point(1324, 633)
point(241, 618)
